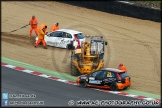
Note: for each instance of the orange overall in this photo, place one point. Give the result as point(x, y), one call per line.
point(123, 68)
point(41, 27)
point(54, 28)
point(33, 23)
point(41, 38)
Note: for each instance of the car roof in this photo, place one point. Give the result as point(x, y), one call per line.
point(69, 31)
point(113, 69)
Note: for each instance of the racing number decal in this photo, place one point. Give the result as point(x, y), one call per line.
point(109, 74)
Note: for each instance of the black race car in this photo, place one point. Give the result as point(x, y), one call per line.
point(109, 78)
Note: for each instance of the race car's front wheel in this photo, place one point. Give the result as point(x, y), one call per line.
point(113, 87)
point(83, 83)
point(70, 47)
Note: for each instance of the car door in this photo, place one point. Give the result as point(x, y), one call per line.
point(66, 39)
point(47, 39)
point(54, 38)
point(96, 77)
point(101, 75)
point(59, 38)
point(110, 77)
point(50, 39)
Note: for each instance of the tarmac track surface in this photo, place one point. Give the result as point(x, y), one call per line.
point(53, 93)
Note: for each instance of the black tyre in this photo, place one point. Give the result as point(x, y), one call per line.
point(74, 70)
point(113, 87)
point(69, 46)
point(83, 83)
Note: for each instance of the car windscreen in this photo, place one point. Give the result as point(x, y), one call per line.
point(124, 74)
point(80, 36)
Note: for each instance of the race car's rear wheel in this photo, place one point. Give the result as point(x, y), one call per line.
point(74, 70)
point(70, 47)
point(113, 87)
point(83, 83)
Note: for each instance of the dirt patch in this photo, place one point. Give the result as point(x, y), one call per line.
point(134, 42)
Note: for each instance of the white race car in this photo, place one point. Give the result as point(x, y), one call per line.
point(64, 38)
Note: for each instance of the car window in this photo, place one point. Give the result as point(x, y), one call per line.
point(99, 45)
point(124, 74)
point(59, 34)
point(67, 35)
point(95, 73)
point(80, 36)
point(52, 34)
point(56, 34)
point(99, 74)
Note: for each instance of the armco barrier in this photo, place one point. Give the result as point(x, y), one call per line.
point(120, 8)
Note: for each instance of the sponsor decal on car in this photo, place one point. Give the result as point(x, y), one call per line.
point(59, 43)
point(109, 74)
point(83, 77)
point(95, 81)
point(91, 78)
point(63, 41)
point(109, 80)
